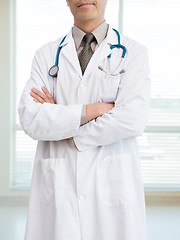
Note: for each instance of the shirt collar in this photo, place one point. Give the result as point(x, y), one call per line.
point(100, 33)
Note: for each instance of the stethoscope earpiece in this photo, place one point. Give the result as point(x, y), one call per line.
point(122, 71)
point(102, 69)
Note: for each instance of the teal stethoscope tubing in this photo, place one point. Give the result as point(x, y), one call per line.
point(53, 71)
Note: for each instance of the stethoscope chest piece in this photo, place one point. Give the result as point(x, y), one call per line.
point(53, 71)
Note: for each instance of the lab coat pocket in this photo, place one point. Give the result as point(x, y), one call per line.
point(116, 184)
point(52, 181)
point(108, 88)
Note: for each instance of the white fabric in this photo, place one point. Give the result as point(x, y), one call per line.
point(94, 191)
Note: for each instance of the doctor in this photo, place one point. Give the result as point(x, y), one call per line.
point(87, 179)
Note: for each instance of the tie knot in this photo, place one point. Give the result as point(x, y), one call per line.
point(88, 38)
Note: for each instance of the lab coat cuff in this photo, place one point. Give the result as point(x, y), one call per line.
point(78, 143)
point(77, 115)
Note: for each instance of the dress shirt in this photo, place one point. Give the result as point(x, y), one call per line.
point(100, 33)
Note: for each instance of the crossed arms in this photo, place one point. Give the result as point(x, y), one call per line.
point(42, 119)
point(93, 110)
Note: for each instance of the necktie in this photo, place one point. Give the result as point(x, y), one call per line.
point(86, 53)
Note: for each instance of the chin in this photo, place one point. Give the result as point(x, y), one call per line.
point(87, 17)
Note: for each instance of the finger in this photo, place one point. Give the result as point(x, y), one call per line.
point(40, 94)
point(48, 94)
point(39, 99)
point(35, 100)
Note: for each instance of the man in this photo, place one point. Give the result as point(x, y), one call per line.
point(87, 180)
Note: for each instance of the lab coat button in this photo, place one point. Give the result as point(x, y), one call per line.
point(82, 84)
point(82, 197)
point(80, 158)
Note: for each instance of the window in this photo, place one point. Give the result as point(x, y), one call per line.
point(154, 24)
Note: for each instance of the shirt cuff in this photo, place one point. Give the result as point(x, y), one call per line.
point(83, 115)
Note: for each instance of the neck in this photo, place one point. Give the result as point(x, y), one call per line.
point(88, 26)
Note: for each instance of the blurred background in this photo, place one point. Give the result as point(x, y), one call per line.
point(25, 25)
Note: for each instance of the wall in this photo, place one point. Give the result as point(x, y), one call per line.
point(5, 37)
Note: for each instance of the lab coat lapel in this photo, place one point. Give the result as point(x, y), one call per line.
point(69, 51)
point(102, 52)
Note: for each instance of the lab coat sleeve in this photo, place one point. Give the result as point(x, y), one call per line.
point(129, 116)
point(51, 122)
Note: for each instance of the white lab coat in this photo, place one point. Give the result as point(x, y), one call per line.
point(94, 191)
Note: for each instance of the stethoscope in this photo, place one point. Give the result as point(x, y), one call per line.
point(53, 71)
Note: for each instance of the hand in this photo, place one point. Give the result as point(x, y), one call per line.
point(40, 97)
point(97, 109)
point(105, 107)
